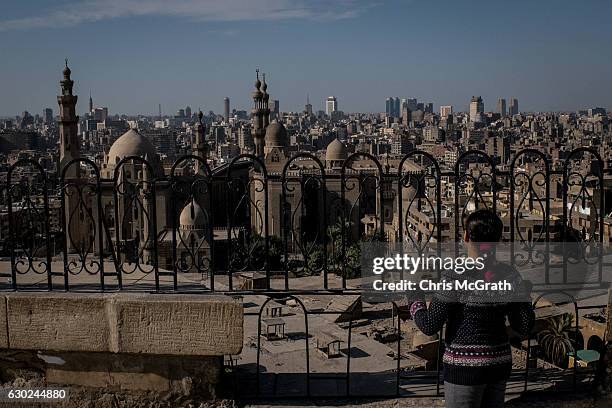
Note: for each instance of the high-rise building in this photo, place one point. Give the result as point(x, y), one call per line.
point(501, 107)
point(596, 111)
point(393, 107)
point(226, 109)
point(429, 108)
point(389, 106)
point(514, 108)
point(331, 105)
point(412, 104)
point(476, 109)
point(446, 111)
point(188, 112)
point(308, 107)
point(100, 114)
point(276, 108)
point(48, 115)
point(406, 115)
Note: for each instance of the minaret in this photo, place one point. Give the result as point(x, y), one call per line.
point(146, 216)
point(266, 99)
point(69, 139)
point(257, 118)
point(77, 226)
point(200, 147)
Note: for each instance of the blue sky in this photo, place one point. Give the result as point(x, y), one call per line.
point(134, 54)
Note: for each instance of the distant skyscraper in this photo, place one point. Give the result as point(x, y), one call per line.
point(188, 112)
point(100, 114)
point(412, 104)
point(501, 107)
point(446, 111)
point(331, 105)
point(90, 103)
point(276, 105)
point(48, 115)
point(514, 108)
point(596, 111)
point(308, 107)
point(429, 108)
point(406, 115)
point(389, 106)
point(226, 109)
point(393, 107)
point(476, 109)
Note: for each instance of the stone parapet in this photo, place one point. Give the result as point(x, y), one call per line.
point(162, 324)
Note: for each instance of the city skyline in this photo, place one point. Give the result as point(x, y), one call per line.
point(134, 58)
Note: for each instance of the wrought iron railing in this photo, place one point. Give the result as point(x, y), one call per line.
point(305, 220)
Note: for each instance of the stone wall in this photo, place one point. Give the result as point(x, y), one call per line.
point(147, 342)
point(122, 323)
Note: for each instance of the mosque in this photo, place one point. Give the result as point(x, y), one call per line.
point(144, 214)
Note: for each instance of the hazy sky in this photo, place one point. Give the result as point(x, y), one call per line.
point(134, 54)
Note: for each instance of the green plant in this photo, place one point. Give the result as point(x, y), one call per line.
point(556, 338)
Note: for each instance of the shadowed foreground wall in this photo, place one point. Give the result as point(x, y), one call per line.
point(124, 341)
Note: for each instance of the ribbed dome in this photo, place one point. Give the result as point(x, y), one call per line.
point(192, 216)
point(132, 143)
point(336, 150)
point(276, 135)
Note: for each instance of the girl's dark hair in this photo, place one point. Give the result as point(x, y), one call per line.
point(483, 226)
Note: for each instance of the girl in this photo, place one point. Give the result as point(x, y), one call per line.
point(477, 357)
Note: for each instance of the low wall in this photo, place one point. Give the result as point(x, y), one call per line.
point(151, 342)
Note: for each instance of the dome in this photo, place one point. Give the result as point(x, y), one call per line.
point(336, 150)
point(276, 135)
point(192, 216)
point(132, 143)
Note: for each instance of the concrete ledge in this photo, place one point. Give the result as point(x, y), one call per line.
point(197, 325)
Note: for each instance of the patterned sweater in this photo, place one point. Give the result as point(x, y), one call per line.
point(476, 344)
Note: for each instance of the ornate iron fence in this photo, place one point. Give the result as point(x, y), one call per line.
point(307, 220)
